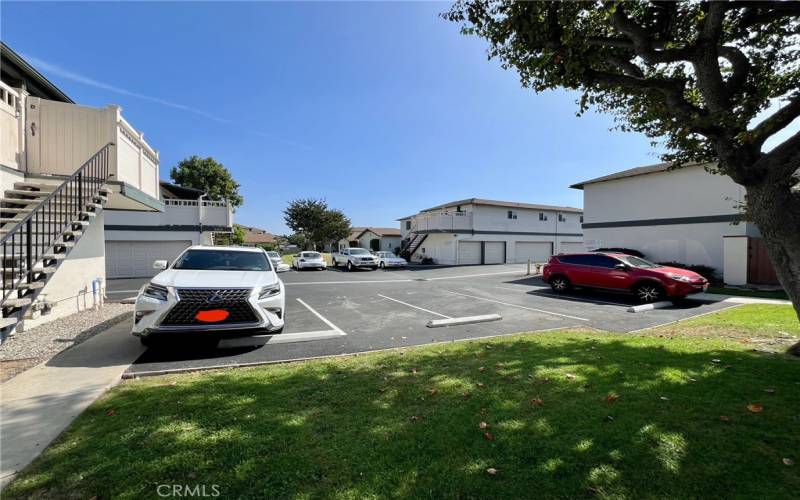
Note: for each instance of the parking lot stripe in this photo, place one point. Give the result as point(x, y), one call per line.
point(474, 275)
point(415, 307)
point(323, 318)
point(518, 306)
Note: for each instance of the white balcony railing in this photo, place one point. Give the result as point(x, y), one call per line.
point(443, 222)
point(205, 213)
point(60, 136)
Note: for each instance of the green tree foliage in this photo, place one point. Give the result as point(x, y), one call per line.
point(238, 234)
point(316, 222)
point(712, 80)
point(208, 175)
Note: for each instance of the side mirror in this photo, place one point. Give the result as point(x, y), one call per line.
point(621, 267)
point(160, 264)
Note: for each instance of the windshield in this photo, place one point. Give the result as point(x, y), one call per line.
point(274, 255)
point(358, 251)
point(637, 261)
point(388, 255)
point(311, 255)
point(223, 260)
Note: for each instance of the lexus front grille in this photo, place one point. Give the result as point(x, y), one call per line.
point(194, 300)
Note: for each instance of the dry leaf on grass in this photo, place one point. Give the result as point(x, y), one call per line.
point(537, 401)
point(488, 436)
point(492, 471)
point(111, 413)
point(788, 461)
point(724, 418)
point(415, 418)
point(481, 369)
point(754, 408)
point(611, 397)
point(480, 384)
point(771, 392)
point(433, 392)
point(483, 425)
point(569, 376)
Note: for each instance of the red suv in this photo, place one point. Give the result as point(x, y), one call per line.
point(616, 271)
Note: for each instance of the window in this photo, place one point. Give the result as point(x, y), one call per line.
point(512, 214)
point(542, 216)
point(561, 218)
point(581, 219)
point(408, 225)
point(458, 208)
point(423, 249)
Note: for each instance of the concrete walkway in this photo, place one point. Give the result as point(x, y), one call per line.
point(38, 404)
point(736, 299)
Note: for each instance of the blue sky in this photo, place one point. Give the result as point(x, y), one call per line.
point(381, 108)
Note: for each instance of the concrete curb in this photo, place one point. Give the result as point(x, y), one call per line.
point(466, 320)
point(649, 307)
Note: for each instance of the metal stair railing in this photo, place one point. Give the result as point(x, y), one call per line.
point(36, 233)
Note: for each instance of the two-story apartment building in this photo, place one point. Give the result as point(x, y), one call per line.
point(61, 166)
point(478, 231)
point(134, 239)
point(685, 215)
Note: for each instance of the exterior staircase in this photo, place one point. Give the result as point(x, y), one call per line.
point(40, 224)
point(412, 244)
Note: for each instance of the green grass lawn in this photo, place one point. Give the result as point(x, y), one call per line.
point(567, 414)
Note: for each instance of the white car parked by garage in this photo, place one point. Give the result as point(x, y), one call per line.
point(211, 292)
point(389, 259)
point(305, 260)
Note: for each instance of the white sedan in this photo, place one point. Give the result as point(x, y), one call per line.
point(210, 292)
point(313, 260)
point(388, 259)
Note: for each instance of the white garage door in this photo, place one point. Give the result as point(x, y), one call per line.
point(494, 252)
point(537, 251)
point(469, 252)
point(572, 247)
point(134, 259)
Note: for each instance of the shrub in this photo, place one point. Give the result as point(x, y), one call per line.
point(626, 251)
point(707, 272)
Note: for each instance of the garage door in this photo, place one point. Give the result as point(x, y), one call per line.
point(494, 252)
point(572, 247)
point(537, 251)
point(134, 259)
point(469, 252)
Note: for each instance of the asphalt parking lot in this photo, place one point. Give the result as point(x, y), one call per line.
point(364, 311)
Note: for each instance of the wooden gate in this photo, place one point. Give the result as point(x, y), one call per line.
point(759, 265)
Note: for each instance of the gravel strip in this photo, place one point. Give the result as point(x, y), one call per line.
point(27, 349)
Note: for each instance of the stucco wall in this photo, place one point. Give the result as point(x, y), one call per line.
point(686, 192)
point(70, 288)
point(489, 218)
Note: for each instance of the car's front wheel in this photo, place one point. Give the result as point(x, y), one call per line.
point(350, 266)
point(648, 292)
point(383, 266)
point(559, 284)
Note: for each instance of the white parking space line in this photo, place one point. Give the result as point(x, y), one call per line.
point(524, 290)
point(321, 317)
point(518, 306)
point(415, 307)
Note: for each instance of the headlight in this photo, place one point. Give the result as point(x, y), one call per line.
point(269, 291)
point(155, 291)
point(680, 277)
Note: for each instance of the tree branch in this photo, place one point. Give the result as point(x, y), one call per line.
point(740, 65)
point(706, 61)
point(643, 45)
point(779, 120)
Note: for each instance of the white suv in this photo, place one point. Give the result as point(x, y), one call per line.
point(211, 292)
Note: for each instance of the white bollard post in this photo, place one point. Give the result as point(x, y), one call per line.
point(529, 268)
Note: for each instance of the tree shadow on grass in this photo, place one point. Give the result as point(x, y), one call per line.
point(407, 425)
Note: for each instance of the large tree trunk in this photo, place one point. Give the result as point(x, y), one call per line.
point(776, 212)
